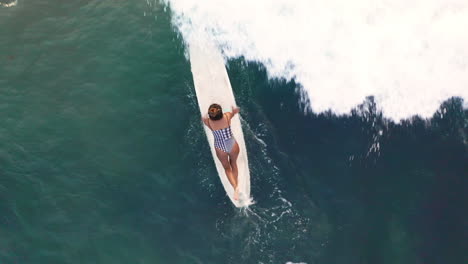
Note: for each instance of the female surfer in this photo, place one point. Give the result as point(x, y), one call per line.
point(225, 145)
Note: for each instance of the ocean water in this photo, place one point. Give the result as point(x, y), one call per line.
point(103, 158)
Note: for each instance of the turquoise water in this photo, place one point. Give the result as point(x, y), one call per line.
point(103, 158)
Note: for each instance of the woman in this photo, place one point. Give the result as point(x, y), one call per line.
point(225, 145)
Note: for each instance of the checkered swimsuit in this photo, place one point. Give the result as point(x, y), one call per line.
point(220, 136)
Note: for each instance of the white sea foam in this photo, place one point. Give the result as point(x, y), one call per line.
point(410, 55)
point(9, 4)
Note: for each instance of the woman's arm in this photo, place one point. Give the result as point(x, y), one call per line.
point(205, 121)
point(234, 111)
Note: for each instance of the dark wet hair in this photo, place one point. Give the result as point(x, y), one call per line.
point(215, 112)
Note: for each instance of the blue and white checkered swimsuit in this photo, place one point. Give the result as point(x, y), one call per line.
point(223, 139)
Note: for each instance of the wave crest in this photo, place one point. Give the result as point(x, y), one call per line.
point(411, 56)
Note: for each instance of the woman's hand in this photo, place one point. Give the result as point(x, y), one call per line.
point(235, 110)
point(204, 119)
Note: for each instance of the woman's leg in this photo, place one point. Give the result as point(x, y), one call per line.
point(223, 157)
point(233, 162)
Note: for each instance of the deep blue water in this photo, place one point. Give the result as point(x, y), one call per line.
point(103, 158)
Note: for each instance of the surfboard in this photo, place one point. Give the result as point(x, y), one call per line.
point(212, 85)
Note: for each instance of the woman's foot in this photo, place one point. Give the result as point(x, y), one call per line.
point(236, 193)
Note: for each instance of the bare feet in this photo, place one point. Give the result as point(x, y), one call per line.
point(236, 193)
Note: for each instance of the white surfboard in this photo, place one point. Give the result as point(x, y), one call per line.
point(212, 86)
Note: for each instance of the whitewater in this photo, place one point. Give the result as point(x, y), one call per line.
point(410, 56)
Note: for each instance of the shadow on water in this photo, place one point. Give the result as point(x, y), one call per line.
point(391, 193)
